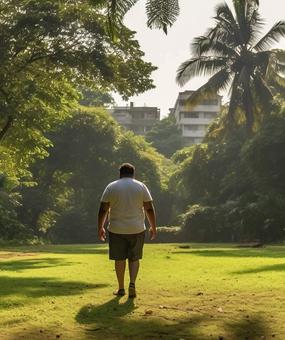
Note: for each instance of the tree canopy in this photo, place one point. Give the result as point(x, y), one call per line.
point(50, 49)
point(235, 56)
point(165, 136)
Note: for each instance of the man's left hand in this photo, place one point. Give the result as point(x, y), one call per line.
point(102, 234)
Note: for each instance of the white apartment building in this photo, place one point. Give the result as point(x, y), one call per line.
point(138, 119)
point(194, 121)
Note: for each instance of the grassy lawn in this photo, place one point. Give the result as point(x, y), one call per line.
point(200, 292)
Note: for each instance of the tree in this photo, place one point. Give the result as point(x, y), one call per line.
point(235, 56)
point(87, 151)
point(232, 188)
point(63, 40)
point(161, 13)
point(95, 98)
point(48, 50)
point(165, 136)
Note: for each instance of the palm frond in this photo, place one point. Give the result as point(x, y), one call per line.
point(277, 84)
point(240, 7)
point(255, 23)
point(204, 44)
point(227, 27)
point(273, 35)
point(162, 13)
point(116, 10)
point(223, 10)
point(219, 81)
point(262, 60)
point(277, 61)
point(199, 66)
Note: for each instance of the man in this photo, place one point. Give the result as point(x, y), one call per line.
point(126, 201)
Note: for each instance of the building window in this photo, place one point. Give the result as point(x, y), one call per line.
point(210, 115)
point(191, 127)
point(150, 115)
point(138, 115)
point(190, 114)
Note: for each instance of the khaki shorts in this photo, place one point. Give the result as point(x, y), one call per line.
point(126, 246)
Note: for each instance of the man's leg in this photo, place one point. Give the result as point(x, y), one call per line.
point(133, 269)
point(120, 267)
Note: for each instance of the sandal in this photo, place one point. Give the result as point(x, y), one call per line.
point(132, 291)
point(120, 292)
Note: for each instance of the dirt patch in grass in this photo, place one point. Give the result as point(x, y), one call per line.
point(10, 255)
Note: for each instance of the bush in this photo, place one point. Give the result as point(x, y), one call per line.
point(168, 234)
point(262, 219)
point(203, 224)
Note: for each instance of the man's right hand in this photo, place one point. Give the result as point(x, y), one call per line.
point(152, 233)
point(102, 234)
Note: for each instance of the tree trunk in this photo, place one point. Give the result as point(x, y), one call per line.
point(248, 107)
point(6, 127)
point(233, 102)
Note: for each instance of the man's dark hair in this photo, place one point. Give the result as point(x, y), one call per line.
point(127, 170)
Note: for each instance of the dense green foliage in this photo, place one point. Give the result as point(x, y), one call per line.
point(49, 52)
point(48, 49)
point(56, 156)
point(234, 186)
point(87, 151)
point(165, 136)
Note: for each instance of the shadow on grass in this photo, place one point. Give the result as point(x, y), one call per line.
point(250, 328)
point(253, 328)
point(272, 268)
point(35, 287)
point(237, 252)
point(60, 249)
point(112, 320)
point(113, 309)
point(20, 265)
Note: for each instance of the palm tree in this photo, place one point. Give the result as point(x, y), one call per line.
point(161, 13)
point(236, 57)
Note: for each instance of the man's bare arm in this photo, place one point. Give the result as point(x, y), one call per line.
point(150, 214)
point(102, 215)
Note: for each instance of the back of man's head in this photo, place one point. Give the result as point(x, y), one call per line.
point(127, 170)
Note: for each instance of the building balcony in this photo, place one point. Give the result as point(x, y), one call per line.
point(195, 121)
point(200, 108)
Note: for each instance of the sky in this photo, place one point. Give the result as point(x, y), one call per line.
point(167, 52)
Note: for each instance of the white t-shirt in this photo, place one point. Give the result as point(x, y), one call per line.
point(126, 197)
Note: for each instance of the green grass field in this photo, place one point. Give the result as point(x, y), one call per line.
point(200, 292)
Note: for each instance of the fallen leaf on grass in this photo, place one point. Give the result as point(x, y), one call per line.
point(220, 310)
